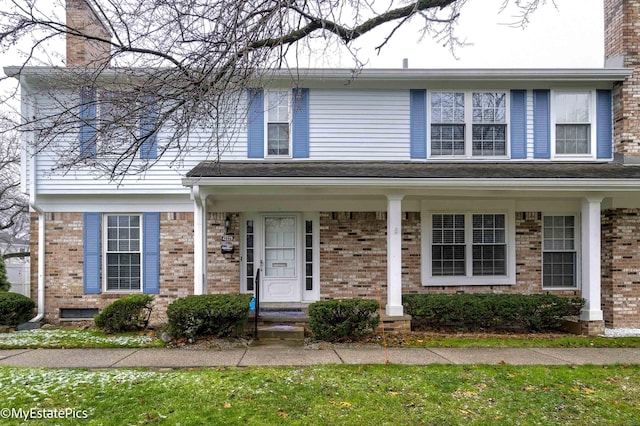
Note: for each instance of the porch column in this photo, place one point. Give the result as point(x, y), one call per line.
point(394, 255)
point(199, 241)
point(591, 260)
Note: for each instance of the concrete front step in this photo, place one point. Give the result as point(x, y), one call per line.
point(287, 335)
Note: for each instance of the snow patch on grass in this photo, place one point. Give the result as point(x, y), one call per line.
point(70, 338)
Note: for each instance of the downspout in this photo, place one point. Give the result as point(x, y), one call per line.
point(40, 314)
point(41, 252)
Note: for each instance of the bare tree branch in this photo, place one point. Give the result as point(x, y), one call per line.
point(191, 61)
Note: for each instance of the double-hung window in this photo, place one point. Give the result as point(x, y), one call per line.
point(468, 124)
point(117, 126)
point(453, 237)
point(447, 124)
point(573, 123)
point(559, 252)
point(278, 143)
point(114, 121)
point(123, 252)
point(468, 247)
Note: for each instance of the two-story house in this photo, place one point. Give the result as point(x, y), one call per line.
point(403, 181)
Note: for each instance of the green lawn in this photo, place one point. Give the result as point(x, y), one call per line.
point(514, 341)
point(332, 395)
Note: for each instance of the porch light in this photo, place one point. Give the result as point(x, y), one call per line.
point(227, 224)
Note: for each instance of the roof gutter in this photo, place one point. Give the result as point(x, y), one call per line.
point(525, 184)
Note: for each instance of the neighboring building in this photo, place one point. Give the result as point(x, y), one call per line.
point(18, 268)
point(407, 181)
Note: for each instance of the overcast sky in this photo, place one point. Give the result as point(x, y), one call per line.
point(569, 35)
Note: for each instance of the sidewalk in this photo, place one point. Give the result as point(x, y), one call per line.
point(286, 356)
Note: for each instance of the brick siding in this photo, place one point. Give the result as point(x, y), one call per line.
point(223, 270)
point(80, 51)
point(64, 264)
point(621, 267)
point(352, 255)
point(622, 38)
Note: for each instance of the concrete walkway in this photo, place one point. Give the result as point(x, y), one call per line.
point(286, 356)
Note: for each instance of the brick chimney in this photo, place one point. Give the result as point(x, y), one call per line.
point(83, 52)
point(622, 49)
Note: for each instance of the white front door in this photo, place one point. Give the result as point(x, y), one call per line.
point(281, 280)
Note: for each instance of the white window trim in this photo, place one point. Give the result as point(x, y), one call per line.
point(432, 207)
point(103, 251)
point(468, 123)
point(577, 244)
point(266, 123)
point(592, 122)
point(243, 252)
point(313, 295)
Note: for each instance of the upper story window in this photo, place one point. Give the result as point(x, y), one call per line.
point(468, 124)
point(113, 121)
point(573, 123)
point(278, 140)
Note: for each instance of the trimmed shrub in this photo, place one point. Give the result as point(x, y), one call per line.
point(209, 314)
point(536, 312)
point(343, 319)
point(5, 285)
point(15, 308)
point(126, 314)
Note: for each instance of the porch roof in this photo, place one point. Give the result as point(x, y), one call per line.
point(208, 172)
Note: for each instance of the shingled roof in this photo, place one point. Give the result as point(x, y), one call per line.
point(409, 170)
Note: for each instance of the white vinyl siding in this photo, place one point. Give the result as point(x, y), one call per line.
point(162, 178)
point(359, 125)
point(529, 124)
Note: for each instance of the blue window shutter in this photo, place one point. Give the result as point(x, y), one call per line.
point(541, 124)
point(87, 122)
point(91, 253)
point(518, 122)
point(418, 123)
point(255, 123)
point(151, 252)
point(300, 123)
point(149, 147)
point(604, 123)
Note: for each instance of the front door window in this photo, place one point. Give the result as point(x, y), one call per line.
point(280, 247)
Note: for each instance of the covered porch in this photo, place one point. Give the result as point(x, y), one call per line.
point(331, 230)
